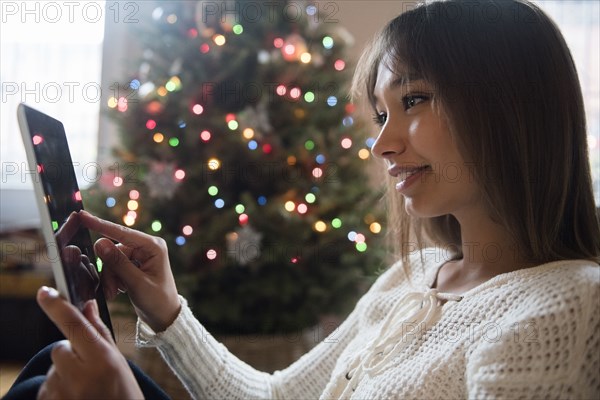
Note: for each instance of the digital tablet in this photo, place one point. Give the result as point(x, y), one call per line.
point(70, 249)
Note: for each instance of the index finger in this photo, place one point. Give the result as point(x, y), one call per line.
point(120, 233)
point(84, 337)
point(67, 230)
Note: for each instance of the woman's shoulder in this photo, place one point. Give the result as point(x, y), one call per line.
point(537, 326)
point(566, 287)
point(562, 275)
point(564, 279)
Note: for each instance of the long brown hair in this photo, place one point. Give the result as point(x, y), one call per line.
point(504, 77)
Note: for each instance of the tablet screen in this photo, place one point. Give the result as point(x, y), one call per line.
point(63, 199)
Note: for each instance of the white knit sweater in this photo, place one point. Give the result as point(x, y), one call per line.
point(524, 334)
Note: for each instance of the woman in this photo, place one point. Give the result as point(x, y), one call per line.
point(483, 131)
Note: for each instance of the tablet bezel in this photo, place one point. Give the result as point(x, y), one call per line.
point(52, 244)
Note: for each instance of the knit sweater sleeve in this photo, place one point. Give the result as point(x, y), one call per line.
point(208, 370)
point(549, 347)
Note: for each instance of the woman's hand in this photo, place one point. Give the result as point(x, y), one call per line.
point(88, 364)
point(138, 264)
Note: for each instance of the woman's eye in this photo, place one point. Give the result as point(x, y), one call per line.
point(409, 101)
point(380, 118)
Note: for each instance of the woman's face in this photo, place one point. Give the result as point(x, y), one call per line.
point(420, 152)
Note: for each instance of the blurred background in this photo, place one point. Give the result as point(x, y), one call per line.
point(225, 128)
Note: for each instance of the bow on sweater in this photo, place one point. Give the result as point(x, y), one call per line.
point(416, 310)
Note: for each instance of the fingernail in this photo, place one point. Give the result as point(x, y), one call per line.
point(85, 213)
point(64, 343)
point(103, 249)
point(50, 293)
point(92, 303)
point(88, 214)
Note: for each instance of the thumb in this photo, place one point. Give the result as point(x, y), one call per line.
point(69, 321)
point(118, 263)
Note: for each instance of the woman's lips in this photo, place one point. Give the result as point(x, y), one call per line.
point(408, 177)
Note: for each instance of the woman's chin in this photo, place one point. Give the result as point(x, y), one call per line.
point(420, 210)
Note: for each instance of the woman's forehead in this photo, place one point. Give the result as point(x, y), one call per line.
point(398, 67)
point(389, 76)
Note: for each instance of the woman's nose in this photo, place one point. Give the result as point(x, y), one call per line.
point(389, 142)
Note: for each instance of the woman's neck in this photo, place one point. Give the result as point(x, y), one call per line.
point(488, 250)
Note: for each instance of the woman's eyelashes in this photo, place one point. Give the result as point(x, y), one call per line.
point(379, 118)
point(411, 100)
point(408, 101)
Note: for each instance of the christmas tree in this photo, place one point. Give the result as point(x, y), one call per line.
point(241, 149)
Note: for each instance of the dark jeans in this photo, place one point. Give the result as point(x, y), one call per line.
point(34, 374)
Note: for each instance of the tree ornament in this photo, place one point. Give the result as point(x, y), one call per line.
point(244, 244)
point(264, 57)
point(144, 71)
point(175, 68)
point(161, 181)
point(255, 117)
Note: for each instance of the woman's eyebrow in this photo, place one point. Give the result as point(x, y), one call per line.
point(405, 79)
point(400, 80)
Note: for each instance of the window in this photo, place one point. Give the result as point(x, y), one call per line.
point(51, 59)
point(579, 21)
